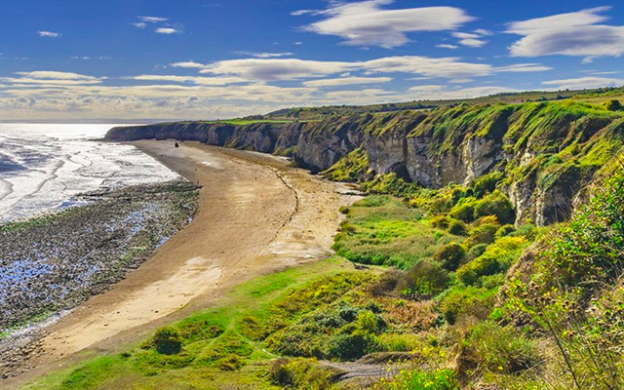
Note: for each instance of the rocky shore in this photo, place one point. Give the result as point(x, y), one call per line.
point(54, 263)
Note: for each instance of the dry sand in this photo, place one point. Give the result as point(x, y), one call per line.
point(257, 215)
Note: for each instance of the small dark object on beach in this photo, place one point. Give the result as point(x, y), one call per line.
point(360, 267)
point(176, 145)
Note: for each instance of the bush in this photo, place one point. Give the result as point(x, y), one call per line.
point(496, 204)
point(350, 346)
point(493, 348)
point(504, 231)
point(421, 380)
point(458, 228)
point(464, 301)
point(451, 255)
point(476, 251)
point(440, 223)
point(429, 278)
point(486, 184)
point(482, 234)
point(167, 341)
point(464, 209)
point(497, 258)
point(613, 105)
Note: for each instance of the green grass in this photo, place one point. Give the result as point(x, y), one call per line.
point(243, 122)
point(215, 341)
point(382, 230)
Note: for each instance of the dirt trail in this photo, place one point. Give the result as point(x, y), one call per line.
point(257, 215)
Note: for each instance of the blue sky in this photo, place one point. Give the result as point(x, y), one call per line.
point(206, 59)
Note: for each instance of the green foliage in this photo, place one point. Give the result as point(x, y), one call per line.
point(167, 341)
point(486, 184)
point(451, 255)
point(470, 301)
point(381, 230)
point(351, 168)
point(497, 258)
point(464, 210)
point(429, 278)
point(458, 228)
point(421, 380)
point(302, 373)
point(496, 204)
point(613, 105)
point(489, 347)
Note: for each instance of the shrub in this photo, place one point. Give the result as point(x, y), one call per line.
point(464, 301)
point(497, 258)
point(458, 228)
point(493, 348)
point(464, 209)
point(421, 380)
point(451, 255)
point(167, 341)
point(482, 234)
point(487, 183)
point(496, 204)
point(350, 346)
point(476, 251)
point(613, 105)
point(440, 223)
point(505, 230)
point(429, 278)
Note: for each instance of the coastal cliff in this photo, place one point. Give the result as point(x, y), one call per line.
point(547, 153)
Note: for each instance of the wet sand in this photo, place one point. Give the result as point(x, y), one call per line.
point(256, 215)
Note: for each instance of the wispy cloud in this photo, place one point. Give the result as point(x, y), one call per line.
point(139, 24)
point(368, 24)
point(167, 31)
point(152, 19)
point(49, 34)
point(585, 83)
point(347, 81)
point(572, 34)
point(263, 55)
point(470, 39)
point(447, 46)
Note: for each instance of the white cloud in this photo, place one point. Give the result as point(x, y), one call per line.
point(49, 34)
point(448, 67)
point(346, 81)
point(167, 30)
point(277, 69)
point(190, 79)
point(367, 24)
point(271, 69)
point(483, 32)
point(472, 42)
point(139, 25)
point(152, 19)
point(469, 39)
point(447, 46)
point(585, 83)
point(188, 65)
point(264, 55)
point(523, 68)
point(460, 81)
point(53, 75)
point(437, 92)
point(571, 34)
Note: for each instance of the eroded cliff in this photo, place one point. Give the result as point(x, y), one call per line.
point(548, 152)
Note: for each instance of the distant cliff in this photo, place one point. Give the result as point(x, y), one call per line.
point(548, 152)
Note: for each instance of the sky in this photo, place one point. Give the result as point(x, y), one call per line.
point(216, 59)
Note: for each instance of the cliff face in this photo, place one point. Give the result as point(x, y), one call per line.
point(548, 152)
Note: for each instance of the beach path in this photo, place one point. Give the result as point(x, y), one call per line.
point(257, 215)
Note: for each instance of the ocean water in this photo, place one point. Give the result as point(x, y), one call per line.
point(43, 166)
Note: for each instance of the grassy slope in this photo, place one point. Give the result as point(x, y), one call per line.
point(206, 336)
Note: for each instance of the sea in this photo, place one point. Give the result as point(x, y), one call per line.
point(44, 166)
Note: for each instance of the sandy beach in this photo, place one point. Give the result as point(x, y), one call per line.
point(257, 215)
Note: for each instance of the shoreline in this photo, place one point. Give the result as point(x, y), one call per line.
point(256, 216)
